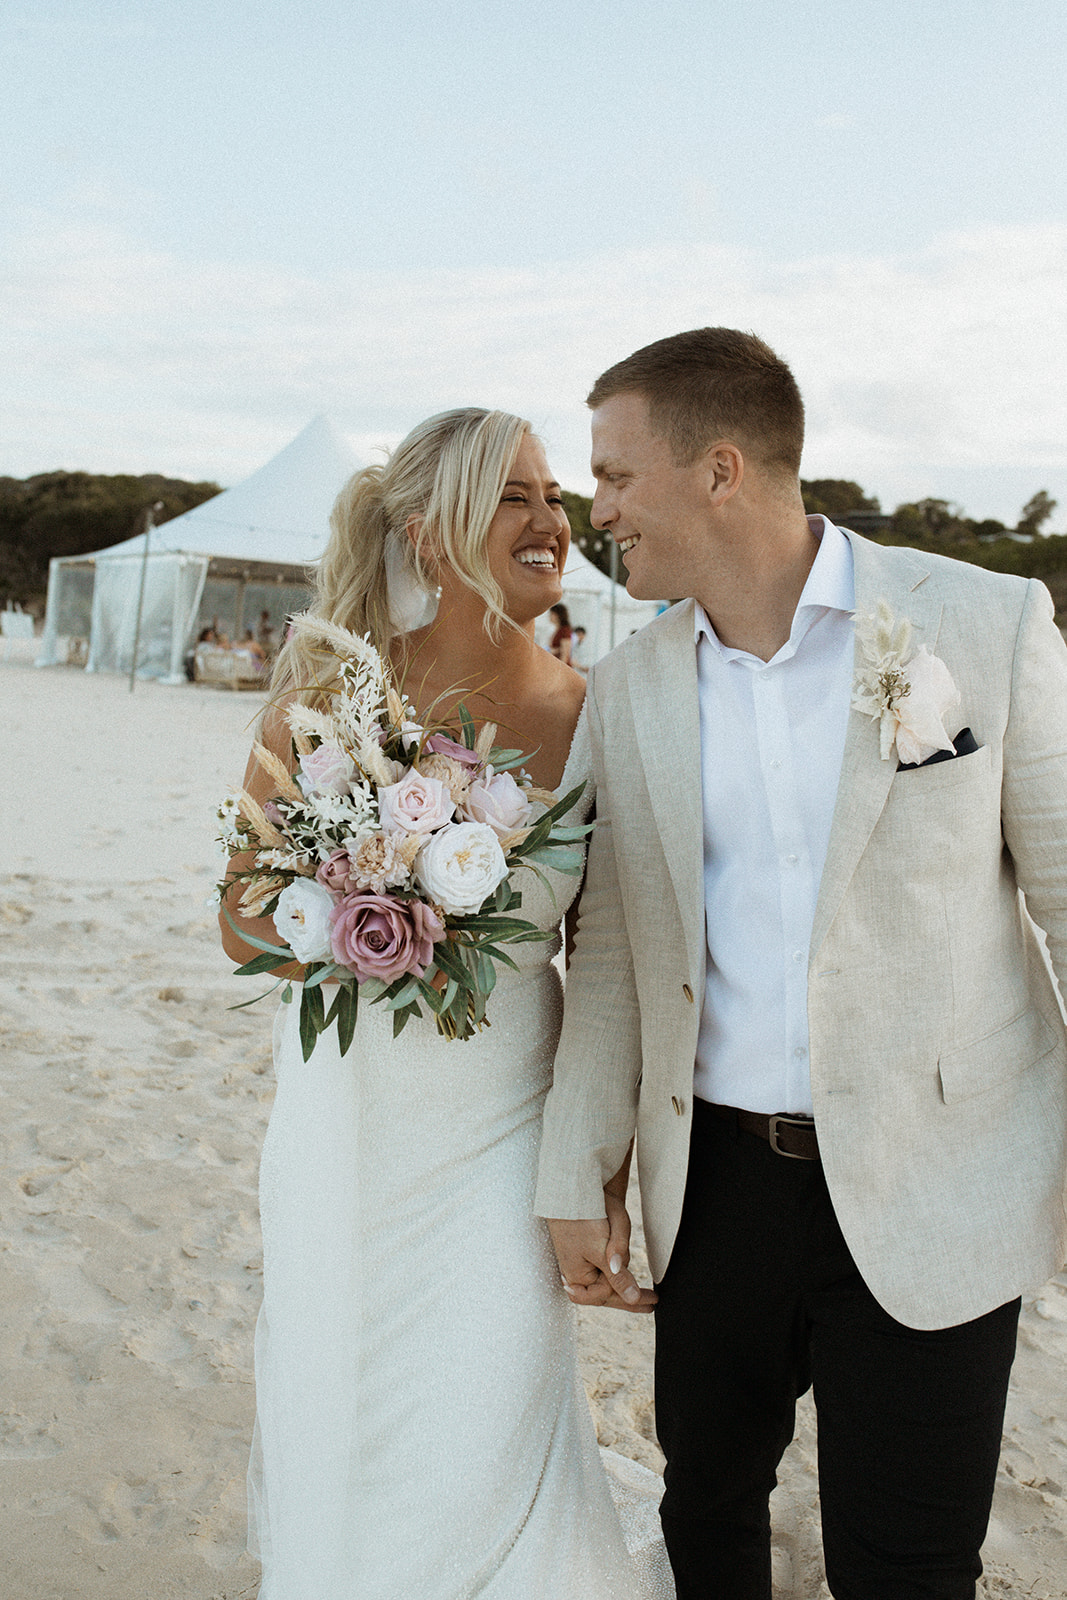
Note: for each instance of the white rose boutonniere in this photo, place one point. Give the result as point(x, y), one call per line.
point(909, 692)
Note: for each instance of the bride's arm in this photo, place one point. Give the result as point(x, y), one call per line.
point(274, 734)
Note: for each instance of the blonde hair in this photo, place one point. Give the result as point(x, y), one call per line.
point(449, 473)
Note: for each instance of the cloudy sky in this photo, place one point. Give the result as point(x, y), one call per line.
point(221, 217)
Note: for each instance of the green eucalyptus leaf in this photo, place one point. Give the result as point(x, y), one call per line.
point(282, 951)
point(257, 998)
point(346, 1017)
point(316, 974)
point(308, 1031)
point(403, 997)
point(263, 963)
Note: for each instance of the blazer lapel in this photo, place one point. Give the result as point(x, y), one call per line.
point(897, 576)
point(666, 717)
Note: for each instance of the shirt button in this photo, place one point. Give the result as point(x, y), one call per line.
point(775, 765)
point(800, 1052)
point(798, 955)
point(792, 860)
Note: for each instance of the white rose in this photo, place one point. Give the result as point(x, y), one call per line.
point(499, 801)
point(459, 866)
point(303, 919)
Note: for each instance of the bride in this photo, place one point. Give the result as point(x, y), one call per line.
point(422, 1432)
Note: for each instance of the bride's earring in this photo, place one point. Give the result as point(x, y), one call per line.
point(411, 603)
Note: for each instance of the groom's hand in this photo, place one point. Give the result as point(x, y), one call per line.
point(592, 1259)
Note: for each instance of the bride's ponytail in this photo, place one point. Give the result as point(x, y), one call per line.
point(350, 584)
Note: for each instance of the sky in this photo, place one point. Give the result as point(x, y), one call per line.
point(218, 220)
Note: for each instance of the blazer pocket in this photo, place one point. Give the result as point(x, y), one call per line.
point(1003, 1054)
point(940, 775)
point(964, 744)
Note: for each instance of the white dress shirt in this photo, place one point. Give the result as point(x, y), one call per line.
point(772, 735)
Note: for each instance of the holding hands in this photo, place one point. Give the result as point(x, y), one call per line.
point(594, 1254)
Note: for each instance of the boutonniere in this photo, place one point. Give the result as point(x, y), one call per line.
point(907, 691)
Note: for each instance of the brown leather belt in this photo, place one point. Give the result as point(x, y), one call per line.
point(792, 1136)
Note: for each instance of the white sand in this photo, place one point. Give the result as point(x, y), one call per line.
point(135, 1104)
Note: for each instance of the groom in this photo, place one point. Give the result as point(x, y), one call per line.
point(805, 977)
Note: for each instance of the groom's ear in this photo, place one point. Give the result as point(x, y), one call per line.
point(724, 467)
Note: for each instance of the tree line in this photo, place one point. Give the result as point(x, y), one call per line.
point(934, 525)
point(74, 513)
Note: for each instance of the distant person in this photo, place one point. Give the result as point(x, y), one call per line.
point(253, 647)
point(266, 635)
point(560, 642)
point(205, 636)
point(578, 656)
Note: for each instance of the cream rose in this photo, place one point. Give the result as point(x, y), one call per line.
point(327, 770)
point(460, 866)
point(498, 801)
point(415, 804)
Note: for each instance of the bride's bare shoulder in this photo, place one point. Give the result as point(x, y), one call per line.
point(566, 687)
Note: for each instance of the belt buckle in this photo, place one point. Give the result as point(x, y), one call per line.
point(773, 1124)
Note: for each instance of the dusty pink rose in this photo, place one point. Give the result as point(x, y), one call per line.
point(439, 744)
point(376, 936)
point(327, 770)
point(499, 802)
point(335, 871)
point(415, 804)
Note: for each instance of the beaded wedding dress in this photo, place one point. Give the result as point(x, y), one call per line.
point(422, 1432)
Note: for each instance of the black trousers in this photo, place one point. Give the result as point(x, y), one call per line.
point(761, 1301)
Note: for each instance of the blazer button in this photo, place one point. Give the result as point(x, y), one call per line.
point(687, 991)
point(678, 1105)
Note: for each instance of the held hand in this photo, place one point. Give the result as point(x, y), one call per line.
point(593, 1258)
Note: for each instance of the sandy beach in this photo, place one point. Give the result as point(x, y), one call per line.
point(135, 1106)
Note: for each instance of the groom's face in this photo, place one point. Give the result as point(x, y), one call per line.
point(655, 510)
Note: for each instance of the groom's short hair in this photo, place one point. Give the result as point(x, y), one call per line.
point(713, 383)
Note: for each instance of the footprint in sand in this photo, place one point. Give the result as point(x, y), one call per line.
point(35, 1183)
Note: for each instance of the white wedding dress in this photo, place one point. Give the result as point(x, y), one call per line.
point(422, 1432)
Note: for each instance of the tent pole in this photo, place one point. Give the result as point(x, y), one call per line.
point(239, 608)
point(149, 524)
point(177, 626)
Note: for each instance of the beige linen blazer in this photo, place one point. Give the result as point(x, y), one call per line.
point(937, 1043)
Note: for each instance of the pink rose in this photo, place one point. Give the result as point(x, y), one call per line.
point(376, 936)
point(335, 871)
point(327, 770)
point(414, 805)
point(439, 744)
point(500, 802)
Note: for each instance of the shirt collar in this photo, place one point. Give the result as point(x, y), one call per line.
point(830, 586)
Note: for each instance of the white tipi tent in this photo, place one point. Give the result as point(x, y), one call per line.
point(257, 538)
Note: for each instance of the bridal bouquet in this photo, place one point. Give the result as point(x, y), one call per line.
point(386, 857)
